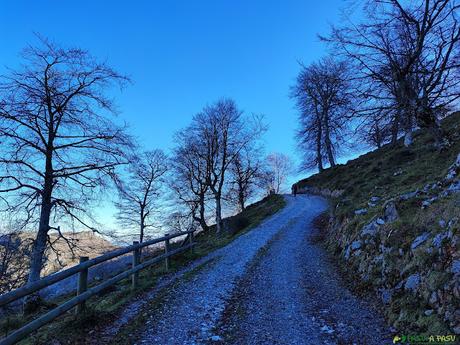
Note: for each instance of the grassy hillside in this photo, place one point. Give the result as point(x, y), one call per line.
point(390, 171)
point(409, 259)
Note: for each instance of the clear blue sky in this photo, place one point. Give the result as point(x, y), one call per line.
point(182, 55)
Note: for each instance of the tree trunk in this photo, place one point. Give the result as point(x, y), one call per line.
point(319, 157)
point(37, 258)
point(39, 246)
point(327, 141)
point(428, 120)
point(218, 213)
point(395, 130)
point(241, 202)
point(330, 154)
point(142, 228)
point(202, 218)
point(408, 138)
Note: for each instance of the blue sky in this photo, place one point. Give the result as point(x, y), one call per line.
point(182, 55)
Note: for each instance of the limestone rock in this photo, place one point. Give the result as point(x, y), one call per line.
point(390, 212)
point(408, 195)
point(412, 282)
point(356, 245)
point(456, 266)
point(361, 211)
point(370, 229)
point(428, 202)
point(386, 295)
point(437, 240)
point(420, 240)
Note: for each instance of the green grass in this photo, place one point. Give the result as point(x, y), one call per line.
point(104, 308)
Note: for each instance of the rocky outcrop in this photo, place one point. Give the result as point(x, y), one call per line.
point(327, 193)
point(415, 271)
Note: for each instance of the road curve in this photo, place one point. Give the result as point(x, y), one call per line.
point(287, 293)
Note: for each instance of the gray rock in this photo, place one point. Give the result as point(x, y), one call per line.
point(452, 222)
point(456, 329)
point(433, 298)
point(386, 295)
point(408, 139)
point(361, 211)
point(380, 221)
point(409, 195)
point(327, 329)
point(370, 229)
point(371, 204)
point(451, 175)
point(420, 240)
point(375, 199)
point(442, 223)
point(390, 213)
point(378, 259)
point(437, 240)
point(356, 245)
point(412, 282)
point(428, 312)
point(398, 172)
point(399, 285)
point(453, 169)
point(457, 162)
point(347, 253)
point(455, 266)
point(454, 187)
point(428, 202)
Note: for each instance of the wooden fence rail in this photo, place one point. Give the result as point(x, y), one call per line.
point(83, 293)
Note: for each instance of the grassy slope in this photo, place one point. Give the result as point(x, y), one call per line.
point(372, 174)
point(69, 329)
point(388, 173)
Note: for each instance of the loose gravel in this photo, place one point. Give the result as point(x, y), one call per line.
point(287, 293)
point(293, 295)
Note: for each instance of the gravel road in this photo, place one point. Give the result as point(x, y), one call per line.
point(287, 293)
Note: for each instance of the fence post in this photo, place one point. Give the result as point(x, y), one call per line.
point(167, 259)
point(82, 284)
point(191, 242)
point(136, 260)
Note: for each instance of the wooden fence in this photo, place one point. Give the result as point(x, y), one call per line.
point(83, 293)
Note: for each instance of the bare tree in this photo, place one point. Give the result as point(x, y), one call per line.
point(58, 146)
point(190, 175)
point(406, 59)
point(278, 168)
point(323, 97)
point(246, 171)
point(140, 190)
point(223, 132)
